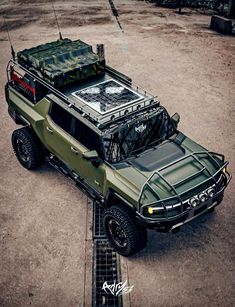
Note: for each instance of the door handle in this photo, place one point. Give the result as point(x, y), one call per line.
point(97, 183)
point(49, 129)
point(74, 150)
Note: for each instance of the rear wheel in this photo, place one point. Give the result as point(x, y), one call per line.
point(122, 231)
point(27, 148)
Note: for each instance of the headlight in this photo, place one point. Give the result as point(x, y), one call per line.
point(194, 201)
point(162, 212)
point(202, 197)
point(211, 192)
point(154, 212)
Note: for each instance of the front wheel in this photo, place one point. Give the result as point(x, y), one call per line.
point(122, 231)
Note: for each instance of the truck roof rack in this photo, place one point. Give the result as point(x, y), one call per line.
point(103, 103)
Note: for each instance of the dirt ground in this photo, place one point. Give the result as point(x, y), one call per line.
point(45, 221)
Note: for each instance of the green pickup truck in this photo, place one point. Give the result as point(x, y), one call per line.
point(115, 140)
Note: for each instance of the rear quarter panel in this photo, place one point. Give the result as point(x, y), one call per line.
point(33, 113)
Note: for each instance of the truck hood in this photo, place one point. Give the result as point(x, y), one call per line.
point(171, 168)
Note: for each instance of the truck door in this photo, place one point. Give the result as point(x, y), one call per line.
point(57, 132)
point(85, 139)
point(67, 138)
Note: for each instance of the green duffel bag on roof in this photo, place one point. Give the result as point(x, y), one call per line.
point(62, 62)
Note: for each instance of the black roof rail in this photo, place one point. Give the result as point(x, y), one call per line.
point(146, 101)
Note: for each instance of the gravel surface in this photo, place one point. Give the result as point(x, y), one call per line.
point(45, 222)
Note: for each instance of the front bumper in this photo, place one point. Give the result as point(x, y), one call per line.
point(171, 224)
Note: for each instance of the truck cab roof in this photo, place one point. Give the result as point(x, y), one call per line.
point(76, 75)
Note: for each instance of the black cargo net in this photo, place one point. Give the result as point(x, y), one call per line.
point(107, 95)
point(138, 136)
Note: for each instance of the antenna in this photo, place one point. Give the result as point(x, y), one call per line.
point(9, 39)
point(57, 23)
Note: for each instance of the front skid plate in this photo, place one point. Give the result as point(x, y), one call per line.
point(192, 216)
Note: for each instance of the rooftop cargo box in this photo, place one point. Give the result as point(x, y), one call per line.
point(62, 62)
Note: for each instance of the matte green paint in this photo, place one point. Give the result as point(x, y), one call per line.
point(126, 182)
point(60, 63)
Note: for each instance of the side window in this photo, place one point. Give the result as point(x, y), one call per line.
point(61, 117)
point(87, 137)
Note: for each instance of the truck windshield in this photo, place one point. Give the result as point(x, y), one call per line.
point(137, 136)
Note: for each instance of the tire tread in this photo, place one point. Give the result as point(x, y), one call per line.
point(137, 235)
point(34, 148)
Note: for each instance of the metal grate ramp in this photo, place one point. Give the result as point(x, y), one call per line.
point(98, 229)
point(106, 264)
point(105, 269)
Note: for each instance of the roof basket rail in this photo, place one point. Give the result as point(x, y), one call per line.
point(105, 118)
point(147, 102)
point(70, 103)
point(141, 91)
point(133, 109)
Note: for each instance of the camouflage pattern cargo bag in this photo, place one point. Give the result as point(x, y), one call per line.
point(62, 62)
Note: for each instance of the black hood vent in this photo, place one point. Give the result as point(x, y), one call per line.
point(158, 157)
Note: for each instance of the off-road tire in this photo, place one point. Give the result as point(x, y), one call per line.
point(34, 152)
point(136, 236)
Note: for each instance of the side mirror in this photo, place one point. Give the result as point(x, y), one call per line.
point(176, 119)
point(92, 156)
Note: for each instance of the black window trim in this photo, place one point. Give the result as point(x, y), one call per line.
point(70, 133)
